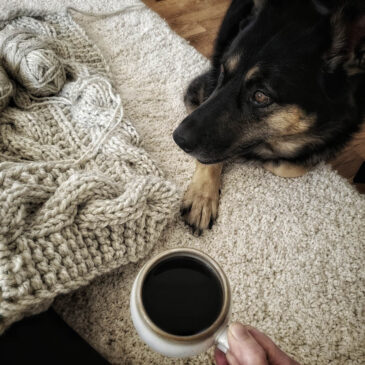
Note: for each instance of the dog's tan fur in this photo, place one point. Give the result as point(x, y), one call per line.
point(284, 147)
point(288, 146)
point(287, 127)
point(200, 202)
point(251, 72)
point(289, 120)
point(232, 63)
point(286, 169)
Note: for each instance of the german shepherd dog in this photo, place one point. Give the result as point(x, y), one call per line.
point(286, 87)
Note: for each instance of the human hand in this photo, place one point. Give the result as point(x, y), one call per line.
point(249, 346)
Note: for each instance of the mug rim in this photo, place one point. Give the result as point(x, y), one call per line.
point(213, 265)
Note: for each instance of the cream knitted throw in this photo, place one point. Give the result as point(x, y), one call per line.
point(78, 195)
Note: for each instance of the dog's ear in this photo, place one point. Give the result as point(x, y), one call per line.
point(347, 50)
point(255, 7)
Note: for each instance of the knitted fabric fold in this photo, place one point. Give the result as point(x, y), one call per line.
point(79, 196)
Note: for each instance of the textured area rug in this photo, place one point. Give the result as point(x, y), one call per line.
point(293, 249)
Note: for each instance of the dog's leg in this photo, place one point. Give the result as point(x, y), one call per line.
point(199, 90)
point(200, 203)
point(286, 169)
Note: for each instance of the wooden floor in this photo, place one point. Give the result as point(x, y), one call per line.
point(198, 21)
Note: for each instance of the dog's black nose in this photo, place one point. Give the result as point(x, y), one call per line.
point(183, 144)
point(183, 141)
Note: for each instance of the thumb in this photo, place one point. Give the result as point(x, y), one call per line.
point(273, 352)
point(243, 348)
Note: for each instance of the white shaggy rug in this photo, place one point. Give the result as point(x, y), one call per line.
point(292, 249)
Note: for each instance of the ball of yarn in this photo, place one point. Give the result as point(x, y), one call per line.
point(30, 60)
point(6, 89)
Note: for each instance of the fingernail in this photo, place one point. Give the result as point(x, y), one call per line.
point(238, 331)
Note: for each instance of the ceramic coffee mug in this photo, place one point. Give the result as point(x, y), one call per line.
point(170, 344)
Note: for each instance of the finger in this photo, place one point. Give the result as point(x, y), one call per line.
point(220, 357)
point(232, 359)
point(244, 347)
point(274, 354)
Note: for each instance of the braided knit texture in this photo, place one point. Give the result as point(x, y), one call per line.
point(6, 89)
point(79, 196)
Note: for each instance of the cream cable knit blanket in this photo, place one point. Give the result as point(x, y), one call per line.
point(78, 195)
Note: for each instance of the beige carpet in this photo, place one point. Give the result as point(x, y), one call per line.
point(292, 249)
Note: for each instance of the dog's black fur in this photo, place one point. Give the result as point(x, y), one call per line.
point(286, 83)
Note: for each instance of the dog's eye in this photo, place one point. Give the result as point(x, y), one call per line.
point(261, 99)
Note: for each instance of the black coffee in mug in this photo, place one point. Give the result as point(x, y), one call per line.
point(182, 295)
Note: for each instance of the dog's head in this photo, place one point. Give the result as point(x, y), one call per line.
point(284, 82)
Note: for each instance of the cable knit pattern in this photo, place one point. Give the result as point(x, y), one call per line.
point(6, 89)
point(78, 195)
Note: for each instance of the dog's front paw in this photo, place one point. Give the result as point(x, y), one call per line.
point(200, 203)
point(200, 208)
